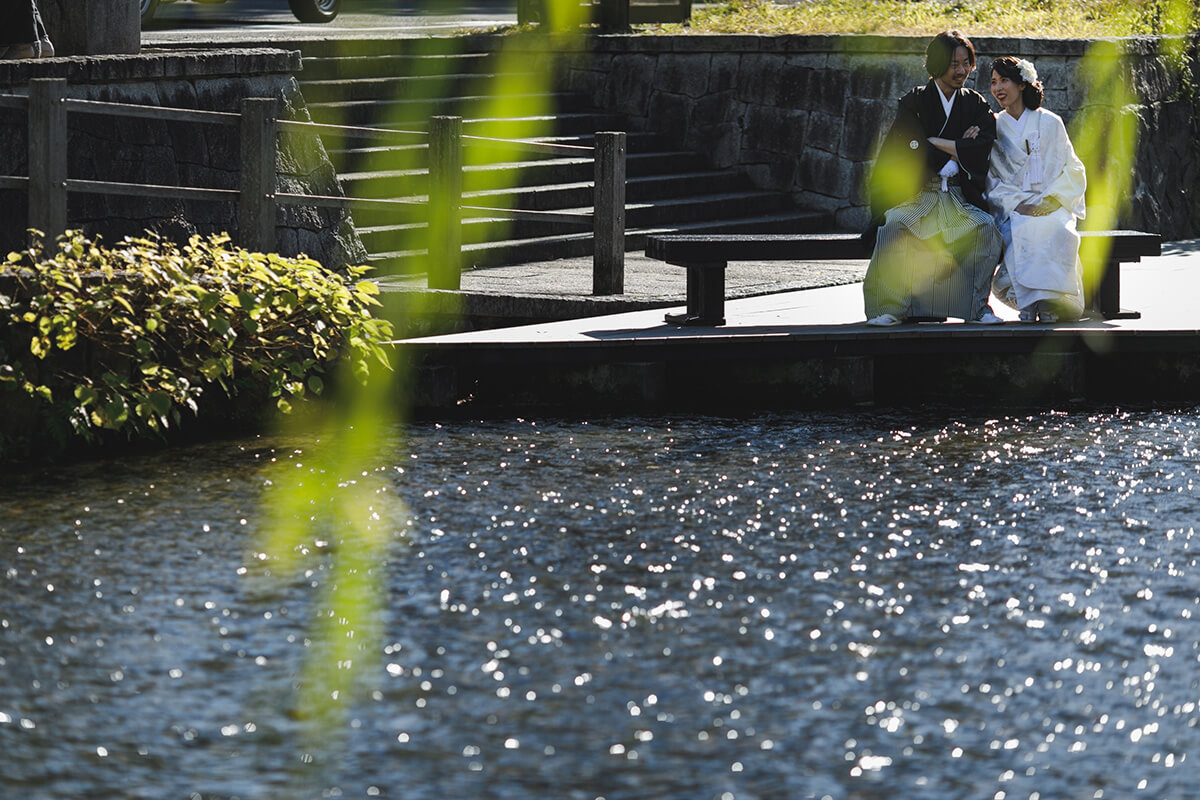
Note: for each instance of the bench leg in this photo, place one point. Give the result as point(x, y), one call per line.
point(705, 296)
point(1106, 300)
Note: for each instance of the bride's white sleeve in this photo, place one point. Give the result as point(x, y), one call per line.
point(1069, 183)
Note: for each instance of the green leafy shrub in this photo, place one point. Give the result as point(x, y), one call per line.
point(133, 339)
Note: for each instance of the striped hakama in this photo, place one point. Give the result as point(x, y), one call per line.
point(934, 257)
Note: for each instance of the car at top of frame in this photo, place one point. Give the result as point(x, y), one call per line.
point(305, 10)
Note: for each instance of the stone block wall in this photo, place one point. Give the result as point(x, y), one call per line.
point(134, 150)
point(92, 27)
point(804, 114)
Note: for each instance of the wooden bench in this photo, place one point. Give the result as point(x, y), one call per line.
point(707, 257)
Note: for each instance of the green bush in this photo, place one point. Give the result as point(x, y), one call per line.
point(133, 339)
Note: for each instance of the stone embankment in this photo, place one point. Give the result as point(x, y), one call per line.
point(798, 114)
point(804, 114)
point(171, 153)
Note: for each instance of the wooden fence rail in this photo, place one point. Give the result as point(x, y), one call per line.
point(258, 199)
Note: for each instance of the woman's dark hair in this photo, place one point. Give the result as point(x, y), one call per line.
point(941, 51)
point(1009, 67)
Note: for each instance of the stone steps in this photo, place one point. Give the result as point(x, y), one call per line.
point(478, 226)
point(544, 172)
point(576, 245)
point(562, 128)
point(410, 88)
point(640, 191)
point(399, 84)
point(331, 68)
point(383, 156)
point(416, 111)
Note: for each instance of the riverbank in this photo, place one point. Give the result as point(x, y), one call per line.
point(811, 348)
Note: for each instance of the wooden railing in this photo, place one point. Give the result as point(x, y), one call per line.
point(607, 220)
point(258, 199)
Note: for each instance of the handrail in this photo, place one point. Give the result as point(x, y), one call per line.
point(520, 213)
point(390, 133)
point(257, 196)
point(351, 130)
point(149, 190)
point(168, 113)
point(333, 201)
point(567, 149)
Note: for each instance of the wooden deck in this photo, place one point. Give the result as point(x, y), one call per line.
point(810, 348)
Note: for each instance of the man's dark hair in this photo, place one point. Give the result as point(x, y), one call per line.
point(941, 51)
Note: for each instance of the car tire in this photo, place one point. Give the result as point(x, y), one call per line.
point(148, 7)
point(310, 10)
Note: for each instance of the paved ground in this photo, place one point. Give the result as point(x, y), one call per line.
point(264, 21)
point(214, 22)
point(194, 24)
point(646, 279)
point(1164, 289)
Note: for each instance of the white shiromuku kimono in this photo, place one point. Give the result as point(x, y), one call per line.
point(1033, 159)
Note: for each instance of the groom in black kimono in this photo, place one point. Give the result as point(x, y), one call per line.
point(936, 245)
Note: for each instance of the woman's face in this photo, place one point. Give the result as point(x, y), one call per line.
point(1007, 93)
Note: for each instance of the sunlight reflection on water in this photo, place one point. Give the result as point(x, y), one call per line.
point(868, 605)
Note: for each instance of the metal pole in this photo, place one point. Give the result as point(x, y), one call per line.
point(256, 207)
point(48, 156)
point(445, 202)
point(608, 256)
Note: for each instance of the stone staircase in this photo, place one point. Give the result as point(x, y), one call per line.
point(401, 83)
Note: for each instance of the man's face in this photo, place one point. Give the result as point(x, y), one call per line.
point(960, 68)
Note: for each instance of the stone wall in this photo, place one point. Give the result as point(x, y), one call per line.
point(92, 27)
point(131, 150)
point(804, 114)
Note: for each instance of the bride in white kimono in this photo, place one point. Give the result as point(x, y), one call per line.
point(1035, 189)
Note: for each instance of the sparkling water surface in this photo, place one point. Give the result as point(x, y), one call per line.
point(861, 605)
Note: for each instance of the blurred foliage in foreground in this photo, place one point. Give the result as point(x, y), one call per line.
point(1041, 18)
point(130, 341)
point(337, 512)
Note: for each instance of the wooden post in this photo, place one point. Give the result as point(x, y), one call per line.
point(528, 11)
point(256, 206)
point(614, 15)
point(445, 202)
point(608, 255)
point(48, 156)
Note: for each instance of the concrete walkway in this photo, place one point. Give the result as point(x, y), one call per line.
point(264, 22)
point(811, 348)
point(783, 297)
point(776, 298)
point(647, 281)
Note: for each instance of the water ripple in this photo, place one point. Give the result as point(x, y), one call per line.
point(876, 605)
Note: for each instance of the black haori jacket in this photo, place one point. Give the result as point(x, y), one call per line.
point(907, 162)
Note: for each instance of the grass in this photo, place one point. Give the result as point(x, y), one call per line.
point(1041, 18)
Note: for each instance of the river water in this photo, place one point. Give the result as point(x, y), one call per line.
point(860, 605)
